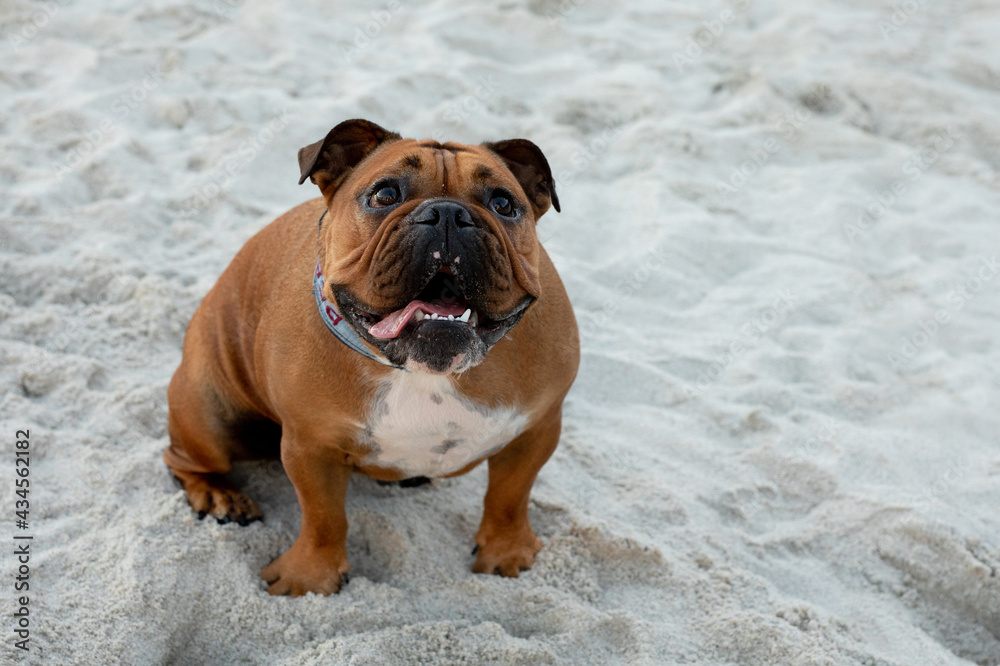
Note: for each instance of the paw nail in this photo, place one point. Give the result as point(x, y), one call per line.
point(202, 514)
point(475, 549)
point(243, 521)
point(223, 521)
point(345, 579)
point(414, 482)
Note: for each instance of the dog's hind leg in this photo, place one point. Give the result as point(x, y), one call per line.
point(203, 445)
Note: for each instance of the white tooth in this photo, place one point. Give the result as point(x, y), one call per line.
point(465, 315)
point(474, 319)
point(451, 317)
point(419, 315)
point(434, 316)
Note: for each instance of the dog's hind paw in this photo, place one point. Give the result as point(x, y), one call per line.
point(212, 495)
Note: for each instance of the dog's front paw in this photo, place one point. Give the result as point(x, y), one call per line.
point(307, 569)
point(506, 554)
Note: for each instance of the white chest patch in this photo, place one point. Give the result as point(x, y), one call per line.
point(421, 426)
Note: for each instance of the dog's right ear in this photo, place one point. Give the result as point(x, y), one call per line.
point(328, 162)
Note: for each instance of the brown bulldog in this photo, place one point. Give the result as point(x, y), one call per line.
point(408, 324)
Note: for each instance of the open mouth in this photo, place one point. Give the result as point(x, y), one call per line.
point(439, 302)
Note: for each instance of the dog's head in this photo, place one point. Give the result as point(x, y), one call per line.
point(429, 249)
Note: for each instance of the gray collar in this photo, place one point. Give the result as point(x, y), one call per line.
point(334, 321)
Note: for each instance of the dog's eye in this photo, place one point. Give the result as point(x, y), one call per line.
point(502, 204)
point(385, 196)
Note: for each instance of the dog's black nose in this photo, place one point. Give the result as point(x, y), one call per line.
point(444, 213)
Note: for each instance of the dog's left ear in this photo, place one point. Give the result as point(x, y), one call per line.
point(328, 162)
point(529, 166)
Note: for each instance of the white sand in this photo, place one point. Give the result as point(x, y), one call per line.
point(735, 484)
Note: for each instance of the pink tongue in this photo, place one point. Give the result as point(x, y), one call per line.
point(396, 321)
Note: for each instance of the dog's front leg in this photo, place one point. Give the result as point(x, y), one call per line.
point(317, 561)
point(505, 542)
